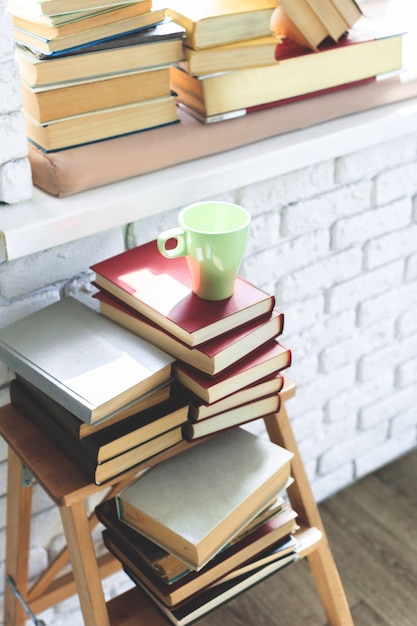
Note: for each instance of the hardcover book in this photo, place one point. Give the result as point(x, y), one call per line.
point(85, 452)
point(213, 22)
point(211, 357)
point(266, 361)
point(85, 362)
point(255, 409)
point(222, 484)
point(160, 289)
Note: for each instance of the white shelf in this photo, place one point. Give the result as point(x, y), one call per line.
point(45, 221)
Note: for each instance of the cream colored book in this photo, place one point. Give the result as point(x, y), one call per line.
point(82, 360)
point(194, 503)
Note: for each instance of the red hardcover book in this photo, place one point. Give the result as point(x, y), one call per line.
point(255, 409)
point(267, 360)
point(211, 357)
point(160, 289)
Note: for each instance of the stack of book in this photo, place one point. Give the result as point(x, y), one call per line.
point(317, 46)
point(200, 527)
point(99, 391)
point(228, 357)
point(91, 71)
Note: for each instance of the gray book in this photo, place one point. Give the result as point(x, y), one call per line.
point(193, 504)
point(84, 361)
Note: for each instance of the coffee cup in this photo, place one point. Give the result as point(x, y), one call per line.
point(212, 236)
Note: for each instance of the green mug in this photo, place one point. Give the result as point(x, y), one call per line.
point(213, 237)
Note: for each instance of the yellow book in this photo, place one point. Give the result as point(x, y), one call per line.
point(215, 22)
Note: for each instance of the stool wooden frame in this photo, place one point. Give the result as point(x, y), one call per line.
point(31, 455)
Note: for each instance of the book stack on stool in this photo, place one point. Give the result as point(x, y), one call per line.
point(316, 46)
point(200, 527)
point(94, 72)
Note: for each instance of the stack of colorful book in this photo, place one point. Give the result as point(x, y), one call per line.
point(100, 392)
point(228, 356)
point(197, 529)
point(316, 47)
point(91, 71)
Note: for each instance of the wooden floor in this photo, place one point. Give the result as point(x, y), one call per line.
point(372, 530)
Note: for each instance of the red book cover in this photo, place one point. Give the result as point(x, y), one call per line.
point(211, 357)
point(269, 359)
point(160, 289)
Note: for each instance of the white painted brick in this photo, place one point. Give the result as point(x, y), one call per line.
point(407, 323)
point(360, 394)
point(404, 421)
point(365, 285)
point(322, 274)
point(308, 425)
point(10, 92)
point(288, 188)
point(370, 161)
point(383, 453)
point(56, 264)
point(301, 315)
point(7, 44)
point(324, 210)
point(351, 448)
point(358, 229)
point(390, 357)
point(386, 409)
point(390, 246)
point(276, 262)
point(18, 309)
point(321, 389)
point(303, 370)
point(38, 560)
point(41, 501)
point(396, 183)
point(10, 192)
point(407, 373)
point(3, 478)
point(264, 232)
point(13, 145)
point(45, 525)
point(326, 486)
point(389, 304)
point(325, 333)
point(329, 437)
point(411, 267)
point(360, 342)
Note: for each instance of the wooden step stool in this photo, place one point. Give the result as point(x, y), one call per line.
point(31, 455)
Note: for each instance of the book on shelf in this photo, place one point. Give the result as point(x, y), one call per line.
point(264, 530)
point(84, 452)
point(85, 362)
point(226, 563)
point(311, 22)
point(160, 289)
point(299, 71)
point(199, 410)
point(211, 357)
point(79, 429)
point(214, 22)
point(57, 7)
point(50, 103)
point(255, 409)
point(214, 596)
point(95, 126)
point(269, 359)
point(99, 33)
point(73, 23)
point(117, 438)
point(253, 52)
point(222, 484)
point(152, 47)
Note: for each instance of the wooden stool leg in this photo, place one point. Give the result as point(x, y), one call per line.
point(19, 509)
point(323, 567)
point(84, 564)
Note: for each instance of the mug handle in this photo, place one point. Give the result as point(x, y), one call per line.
point(172, 233)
